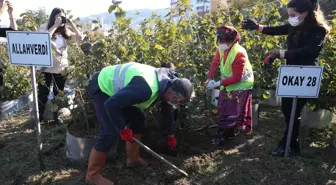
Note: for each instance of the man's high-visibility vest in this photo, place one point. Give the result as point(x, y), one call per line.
point(111, 79)
point(226, 69)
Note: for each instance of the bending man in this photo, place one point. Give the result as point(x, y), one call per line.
point(120, 93)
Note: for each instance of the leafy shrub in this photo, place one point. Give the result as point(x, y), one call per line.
point(189, 43)
point(327, 96)
point(17, 80)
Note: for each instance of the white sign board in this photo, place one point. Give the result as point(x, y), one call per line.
point(299, 81)
point(3, 40)
point(29, 48)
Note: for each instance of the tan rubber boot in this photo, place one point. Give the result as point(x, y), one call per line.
point(133, 153)
point(96, 163)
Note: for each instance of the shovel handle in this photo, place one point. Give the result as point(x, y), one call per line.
point(159, 157)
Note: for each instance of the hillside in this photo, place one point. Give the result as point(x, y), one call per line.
point(136, 19)
point(326, 5)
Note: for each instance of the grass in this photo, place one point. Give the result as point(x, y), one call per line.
point(244, 161)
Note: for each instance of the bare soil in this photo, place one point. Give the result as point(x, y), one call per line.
point(244, 160)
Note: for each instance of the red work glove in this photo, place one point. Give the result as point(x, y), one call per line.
point(172, 142)
point(126, 135)
point(270, 59)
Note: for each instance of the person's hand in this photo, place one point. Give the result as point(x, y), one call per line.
point(58, 22)
point(248, 24)
point(69, 22)
point(212, 84)
point(206, 82)
point(103, 65)
point(270, 59)
point(10, 7)
point(171, 140)
point(127, 135)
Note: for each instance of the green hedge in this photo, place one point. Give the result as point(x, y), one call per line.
point(16, 78)
point(190, 44)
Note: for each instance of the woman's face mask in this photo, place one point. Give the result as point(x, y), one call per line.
point(294, 21)
point(296, 18)
point(223, 46)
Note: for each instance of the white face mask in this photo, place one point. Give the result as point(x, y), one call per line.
point(223, 47)
point(174, 105)
point(294, 21)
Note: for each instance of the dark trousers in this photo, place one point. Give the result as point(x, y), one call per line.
point(286, 106)
point(1, 80)
point(1, 83)
point(108, 134)
point(1, 76)
point(44, 89)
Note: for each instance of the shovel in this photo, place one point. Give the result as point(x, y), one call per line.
point(160, 157)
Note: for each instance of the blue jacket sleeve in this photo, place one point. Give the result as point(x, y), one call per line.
point(168, 117)
point(137, 91)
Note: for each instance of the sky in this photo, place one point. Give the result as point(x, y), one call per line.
point(82, 8)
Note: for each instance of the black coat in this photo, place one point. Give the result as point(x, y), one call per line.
point(304, 43)
point(3, 31)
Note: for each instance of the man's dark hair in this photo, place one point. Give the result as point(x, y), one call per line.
point(169, 65)
point(183, 87)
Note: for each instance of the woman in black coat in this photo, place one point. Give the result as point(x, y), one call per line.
point(306, 32)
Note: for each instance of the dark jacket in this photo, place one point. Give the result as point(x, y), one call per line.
point(137, 91)
point(2, 34)
point(304, 43)
point(3, 31)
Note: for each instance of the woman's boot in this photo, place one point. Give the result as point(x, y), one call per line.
point(279, 151)
point(294, 148)
point(223, 136)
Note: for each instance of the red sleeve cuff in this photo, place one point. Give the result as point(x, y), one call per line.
point(214, 65)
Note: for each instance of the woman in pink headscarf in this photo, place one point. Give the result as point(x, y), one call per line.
point(235, 98)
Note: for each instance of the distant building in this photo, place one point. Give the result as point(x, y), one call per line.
point(87, 26)
point(200, 6)
point(173, 5)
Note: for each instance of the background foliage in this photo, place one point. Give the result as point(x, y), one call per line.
point(17, 79)
point(188, 41)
